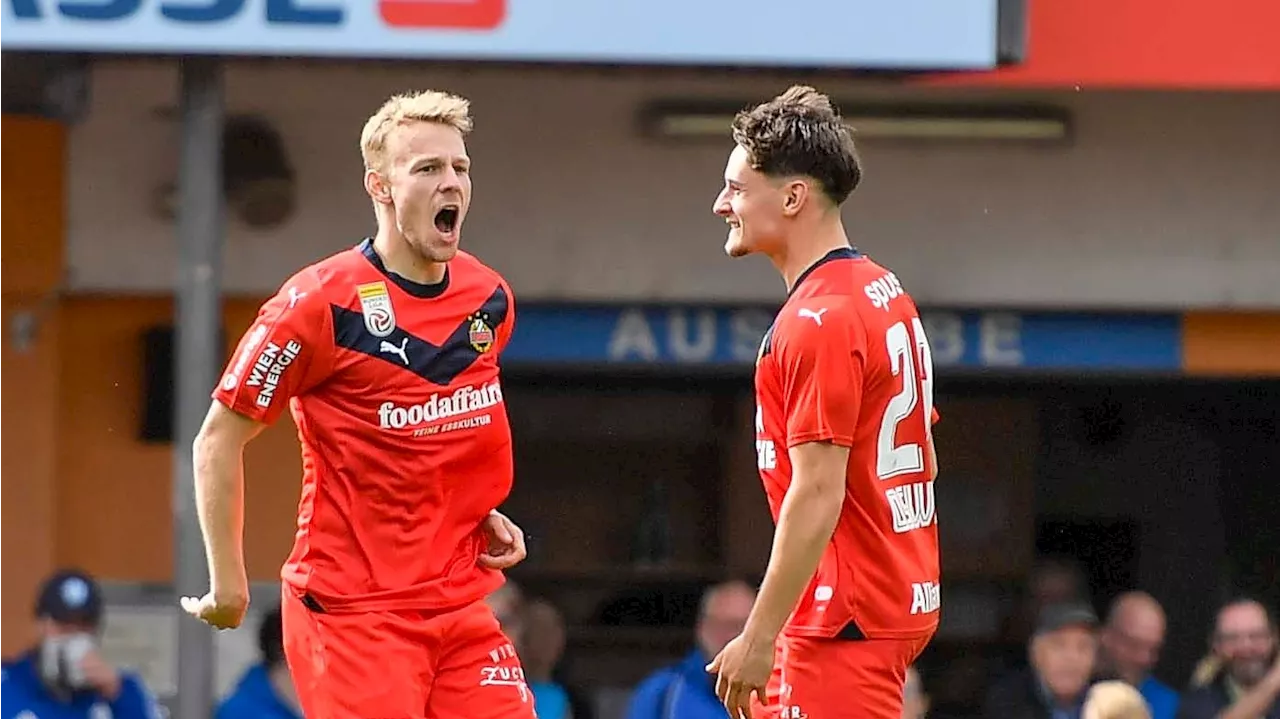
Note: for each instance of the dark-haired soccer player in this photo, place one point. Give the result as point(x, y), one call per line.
point(844, 442)
point(387, 355)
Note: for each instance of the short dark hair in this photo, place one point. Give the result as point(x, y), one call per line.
point(800, 133)
point(271, 638)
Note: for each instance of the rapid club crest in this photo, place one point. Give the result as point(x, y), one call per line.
point(479, 333)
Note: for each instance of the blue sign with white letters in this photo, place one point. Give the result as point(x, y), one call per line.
point(690, 336)
point(872, 34)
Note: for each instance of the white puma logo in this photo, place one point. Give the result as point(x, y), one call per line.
point(815, 316)
point(388, 347)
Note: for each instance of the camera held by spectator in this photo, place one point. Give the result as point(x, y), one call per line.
point(65, 675)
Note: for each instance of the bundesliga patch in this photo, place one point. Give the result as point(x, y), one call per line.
point(375, 302)
point(480, 334)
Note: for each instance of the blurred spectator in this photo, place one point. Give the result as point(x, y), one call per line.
point(1115, 700)
point(265, 690)
point(65, 675)
point(507, 603)
point(540, 650)
point(1130, 646)
point(1063, 653)
point(686, 690)
point(1243, 675)
point(915, 703)
point(1053, 580)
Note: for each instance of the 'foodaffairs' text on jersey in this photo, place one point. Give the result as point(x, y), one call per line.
point(438, 407)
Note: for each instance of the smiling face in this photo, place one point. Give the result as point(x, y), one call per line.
point(793, 156)
point(426, 183)
point(1246, 641)
point(751, 203)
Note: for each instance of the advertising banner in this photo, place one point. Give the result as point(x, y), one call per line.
point(727, 337)
point(887, 34)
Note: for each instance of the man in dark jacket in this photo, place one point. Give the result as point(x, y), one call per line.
point(1246, 684)
point(1063, 652)
point(265, 691)
point(685, 690)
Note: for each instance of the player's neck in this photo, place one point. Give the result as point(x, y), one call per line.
point(808, 245)
point(398, 257)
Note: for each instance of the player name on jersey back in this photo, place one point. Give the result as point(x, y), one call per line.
point(883, 290)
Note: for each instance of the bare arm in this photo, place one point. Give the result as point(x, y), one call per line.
point(219, 476)
point(1257, 701)
point(806, 522)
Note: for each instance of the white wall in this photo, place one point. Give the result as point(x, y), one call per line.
point(1162, 201)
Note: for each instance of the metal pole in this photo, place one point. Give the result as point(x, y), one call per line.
point(197, 360)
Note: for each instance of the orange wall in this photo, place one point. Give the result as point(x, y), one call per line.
point(107, 474)
point(1231, 343)
point(81, 490)
point(78, 488)
point(32, 226)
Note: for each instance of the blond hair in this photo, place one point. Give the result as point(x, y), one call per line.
point(1115, 700)
point(425, 106)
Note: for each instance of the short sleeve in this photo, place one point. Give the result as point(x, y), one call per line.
point(822, 356)
point(288, 350)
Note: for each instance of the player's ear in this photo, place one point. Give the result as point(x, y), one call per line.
point(794, 194)
point(377, 187)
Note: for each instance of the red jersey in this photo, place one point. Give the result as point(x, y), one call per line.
point(406, 447)
point(846, 361)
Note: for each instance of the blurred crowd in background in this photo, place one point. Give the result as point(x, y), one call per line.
point(1071, 662)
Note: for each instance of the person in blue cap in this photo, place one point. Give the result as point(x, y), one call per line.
point(65, 676)
point(265, 690)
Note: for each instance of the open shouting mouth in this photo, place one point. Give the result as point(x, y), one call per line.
point(447, 217)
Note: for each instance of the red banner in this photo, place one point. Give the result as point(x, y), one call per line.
point(1143, 44)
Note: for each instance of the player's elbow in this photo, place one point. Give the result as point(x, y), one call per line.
point(817, 499)
point(223, 433)
point(824, 499)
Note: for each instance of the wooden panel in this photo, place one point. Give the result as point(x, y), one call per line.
point(986, 486)
point(32, 172)
point(1232, 344)
point(107, 474)
point(746, 525)
point(33, 204)
point(30, 440)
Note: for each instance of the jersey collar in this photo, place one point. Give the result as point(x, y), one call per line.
point(840, 253)
point(416, 289)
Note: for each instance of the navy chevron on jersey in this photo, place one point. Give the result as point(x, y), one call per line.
point(847, 361)
point(394, 388)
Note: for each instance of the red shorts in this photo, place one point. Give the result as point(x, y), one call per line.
point(839, 678)
point(403, 665)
